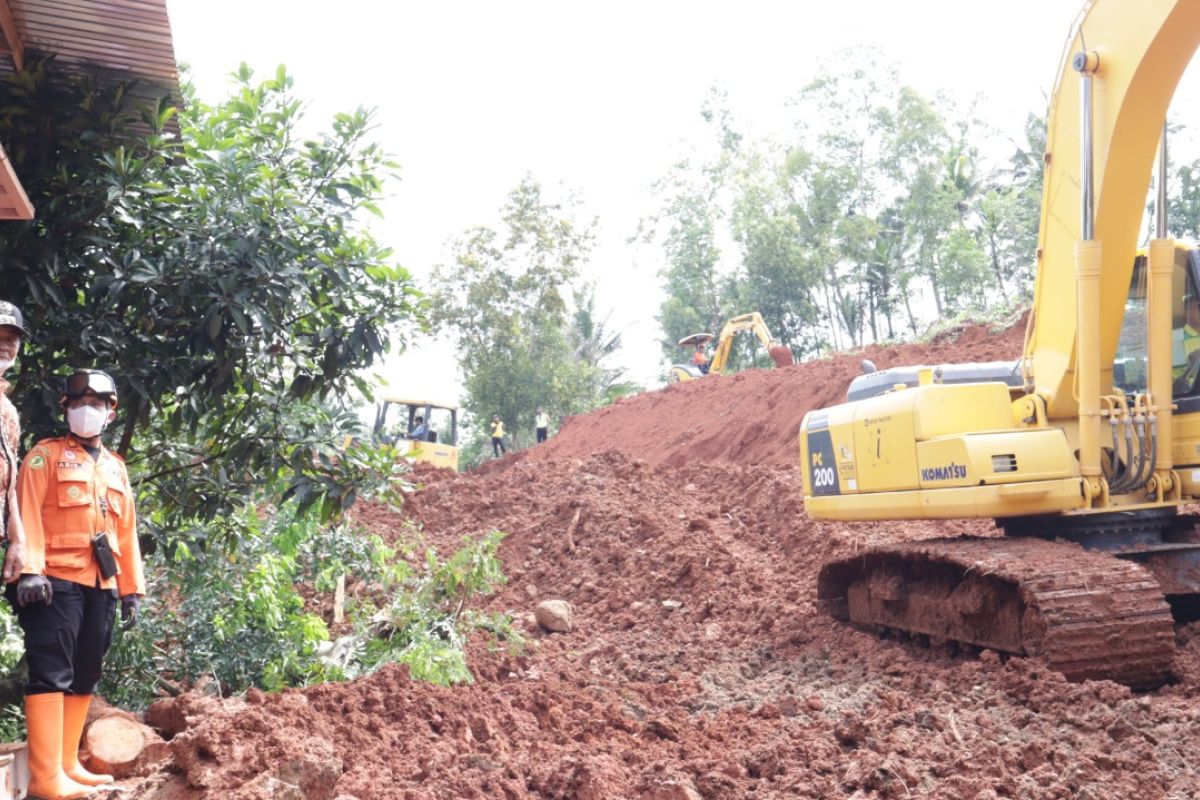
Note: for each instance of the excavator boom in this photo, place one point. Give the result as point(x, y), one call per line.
point(754, 323)
point(1142, 50)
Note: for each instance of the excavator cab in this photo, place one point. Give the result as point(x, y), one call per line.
point(692, 370)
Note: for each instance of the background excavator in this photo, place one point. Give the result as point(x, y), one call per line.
point(1086, 448)
point(753, 322)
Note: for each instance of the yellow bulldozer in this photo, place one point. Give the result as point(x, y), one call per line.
point(1086, 448)
point(425, 428)
point(753, 322)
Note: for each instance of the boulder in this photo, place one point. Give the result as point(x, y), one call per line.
point(554, 615)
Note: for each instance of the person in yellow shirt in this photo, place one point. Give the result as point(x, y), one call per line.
point(497, 436)
point(82, 561)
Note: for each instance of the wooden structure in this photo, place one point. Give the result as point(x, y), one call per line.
point(126, 39)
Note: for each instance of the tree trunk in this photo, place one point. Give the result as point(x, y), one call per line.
point(996, 265)
point(119, 746)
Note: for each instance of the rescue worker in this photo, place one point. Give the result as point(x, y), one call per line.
point(82, 554)
point(12, 331)
point(541, 424)
point(497, 436)
point(699, 359)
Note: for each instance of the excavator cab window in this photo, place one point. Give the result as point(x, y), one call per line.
point(1130, 365)
point(1185, 324)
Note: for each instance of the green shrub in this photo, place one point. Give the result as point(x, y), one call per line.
point(238, 619)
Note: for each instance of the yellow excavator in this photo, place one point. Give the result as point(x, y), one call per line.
point(1085, 449)
point(753, 322)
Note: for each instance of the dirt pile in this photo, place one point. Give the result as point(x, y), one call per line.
point(751, 417)
point(698, 666)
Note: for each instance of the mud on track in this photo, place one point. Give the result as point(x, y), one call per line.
point(698, 666)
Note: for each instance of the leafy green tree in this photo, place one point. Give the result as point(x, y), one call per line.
point(780, 275)
point(221, 276)
point(594, 343)
point(695, 297)
point(1185, 202)
point(507, 298)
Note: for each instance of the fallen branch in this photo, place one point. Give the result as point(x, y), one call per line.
point(571, 529)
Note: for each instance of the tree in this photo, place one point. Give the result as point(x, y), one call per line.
point(507, 298)
point(1185, 202)
point(593, 343)
point(780, 275)
point(221, 276)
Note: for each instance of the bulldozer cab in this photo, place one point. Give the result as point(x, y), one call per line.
point(427, 428)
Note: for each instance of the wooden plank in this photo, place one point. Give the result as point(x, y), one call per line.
point(53, 27)
point(16, 46)
point(72, 19)
point(120, 71)
point(123, 35)
point(149, 11)
point(97, 50)
point(15, 201)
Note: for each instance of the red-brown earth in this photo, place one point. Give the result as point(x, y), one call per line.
point(698, 666)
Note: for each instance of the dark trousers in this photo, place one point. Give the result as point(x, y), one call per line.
point(497, 445)
point(65, 641)
point(541, 434)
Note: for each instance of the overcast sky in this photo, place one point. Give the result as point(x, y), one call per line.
point(598, 97)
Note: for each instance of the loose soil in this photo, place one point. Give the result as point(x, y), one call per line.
point(698, 666)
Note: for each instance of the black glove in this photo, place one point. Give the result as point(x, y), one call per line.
point(129, 610)
point(34, 589)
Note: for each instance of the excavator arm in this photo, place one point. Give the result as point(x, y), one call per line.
point(1139, 52)
point(746, 322)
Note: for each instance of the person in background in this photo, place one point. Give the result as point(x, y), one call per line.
point(420, 429)
point(12, 331)
point(497, 436)
point(82, 555)
point(542, 423)
point(699, 359)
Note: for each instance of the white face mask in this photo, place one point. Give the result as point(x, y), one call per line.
point(87, 421)
point(6, 364)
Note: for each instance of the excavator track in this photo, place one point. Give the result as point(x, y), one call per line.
point(1085, 614)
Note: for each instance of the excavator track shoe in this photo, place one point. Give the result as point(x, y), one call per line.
point(1085, 614)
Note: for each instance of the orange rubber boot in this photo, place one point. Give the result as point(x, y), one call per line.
point(75, 708)
point(44, 719)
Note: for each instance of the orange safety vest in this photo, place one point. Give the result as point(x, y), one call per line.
point(699, 359)
point(66, 498)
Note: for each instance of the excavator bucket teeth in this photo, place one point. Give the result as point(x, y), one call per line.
point(1083, 613)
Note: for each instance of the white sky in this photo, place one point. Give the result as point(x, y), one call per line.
point(598, 97)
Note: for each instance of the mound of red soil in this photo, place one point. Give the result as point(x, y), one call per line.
point(751, 417)
point(698, 665)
